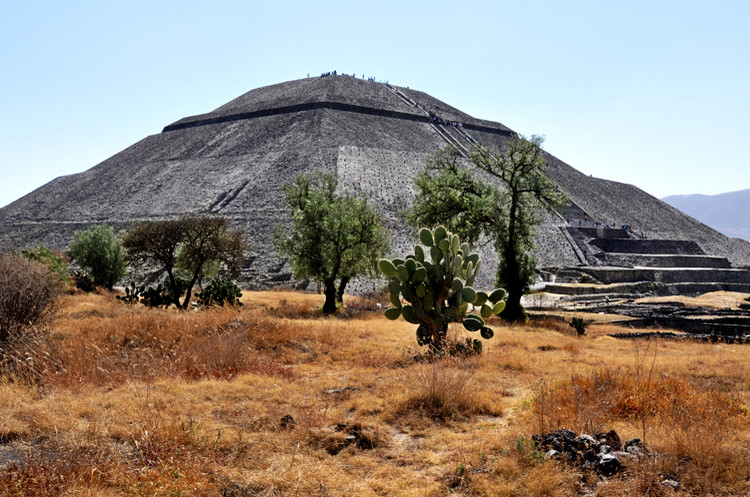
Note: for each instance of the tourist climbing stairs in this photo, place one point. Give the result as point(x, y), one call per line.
point(444, 134)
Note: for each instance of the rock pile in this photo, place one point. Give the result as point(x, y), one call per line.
point(603, 453)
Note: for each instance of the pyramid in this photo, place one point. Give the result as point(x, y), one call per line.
point(235, 160)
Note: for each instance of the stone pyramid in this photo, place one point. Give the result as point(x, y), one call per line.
point(235, 160)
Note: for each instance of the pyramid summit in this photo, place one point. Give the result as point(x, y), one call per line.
point(235, 160)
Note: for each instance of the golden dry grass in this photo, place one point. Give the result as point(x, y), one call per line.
point(716, 300)
point(131, 401)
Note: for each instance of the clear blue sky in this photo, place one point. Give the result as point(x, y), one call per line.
point(653, 93)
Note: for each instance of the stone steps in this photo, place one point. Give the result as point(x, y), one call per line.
point(664, 260)
point(604, 232)
point(620, 290)
point(610, 274)
point(697, 288)
point(647, 246)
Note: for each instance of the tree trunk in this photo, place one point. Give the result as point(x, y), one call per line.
point(514, 311)
point(340, 292)
point(438, 339)
point(329, 307)
point(189, 291)
point(174, 289)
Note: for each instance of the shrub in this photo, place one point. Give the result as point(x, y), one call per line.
point(185, 251)
point(160, 296)
point(222, 291)
point(28, 292)
point(56, 263)
point(98, 250)
point(442, 390)
point(579, 325)
point(132, 294)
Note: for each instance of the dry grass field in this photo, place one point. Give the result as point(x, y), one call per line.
point(273, 399)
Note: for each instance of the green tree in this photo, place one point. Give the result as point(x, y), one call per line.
point(332, 238)
point(98, 251)
point(191, 243)
point(505, 208)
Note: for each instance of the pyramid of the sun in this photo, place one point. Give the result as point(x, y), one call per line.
point(235, 160)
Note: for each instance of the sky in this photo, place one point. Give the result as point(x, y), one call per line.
point(652, 93)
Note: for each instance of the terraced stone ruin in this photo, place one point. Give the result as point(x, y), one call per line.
point(375, 137)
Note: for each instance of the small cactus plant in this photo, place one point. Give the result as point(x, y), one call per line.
point(132, 294)
point(579, 325)
point(440, 290)
point(222, 291)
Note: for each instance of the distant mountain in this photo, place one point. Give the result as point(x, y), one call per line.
point(728, 213)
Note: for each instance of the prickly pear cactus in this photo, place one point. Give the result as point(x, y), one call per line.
point(437, 285)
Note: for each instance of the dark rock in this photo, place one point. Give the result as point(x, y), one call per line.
point(671, 483)
point(356, 434)
point(610, 438)
point(550, 441)
point(586, 451)
point(567, 435)
point(633, 442)
point(590, 455)
point(583, 442)
point(607, 464)
point(625, 456)
point(287, 422)
point(669, 480)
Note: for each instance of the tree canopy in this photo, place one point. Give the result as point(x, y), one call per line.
point(190, 243)
point(99, 252)
point(498, 196)
point(332, 238)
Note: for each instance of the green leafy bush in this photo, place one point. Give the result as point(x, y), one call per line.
point(184, 251)
point(99, 252)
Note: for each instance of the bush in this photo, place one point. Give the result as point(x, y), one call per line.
point(185, 251)
point(98, 250)
point(579, 325)
point(442, 390)
point(159, 296)
point(28, 292)
point(222, 291)
point(56, 263)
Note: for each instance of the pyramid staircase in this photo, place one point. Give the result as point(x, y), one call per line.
point(617, 262)
point(614, 263)
point(452, 135)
